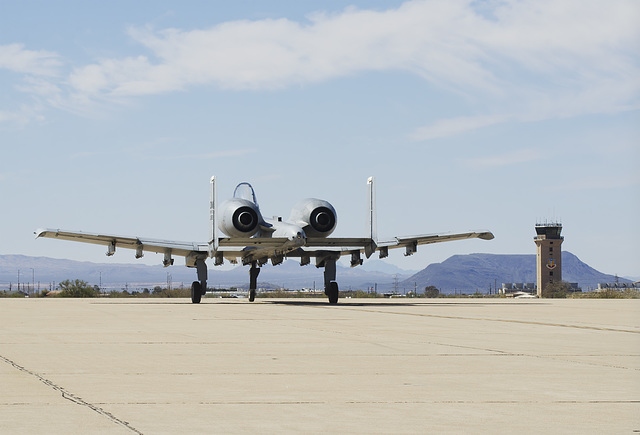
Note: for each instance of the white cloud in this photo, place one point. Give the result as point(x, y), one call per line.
point(446, 42)
point(38, 68)
point(14, 57)
point(530, 59)
point(452, 126)
point(7, 116)
point(270, 54)
point(22, 115)
point(507, 159)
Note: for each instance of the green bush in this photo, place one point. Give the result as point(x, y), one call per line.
point(431, 292)
point(173, 293)
point(609, 294)
point(76, 289)
point(11, 294)
point(358, 294)
point(556, 290)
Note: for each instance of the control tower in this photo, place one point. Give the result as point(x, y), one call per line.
point(549, 254)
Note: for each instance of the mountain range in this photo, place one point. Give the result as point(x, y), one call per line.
point(462, 273)
point(479, 271)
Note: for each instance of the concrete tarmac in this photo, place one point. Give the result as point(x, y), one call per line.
point(155, 366)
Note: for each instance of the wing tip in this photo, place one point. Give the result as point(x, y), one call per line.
point(40, 232)
point(486, 235)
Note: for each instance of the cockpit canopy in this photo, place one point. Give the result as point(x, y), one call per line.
point(245, 191)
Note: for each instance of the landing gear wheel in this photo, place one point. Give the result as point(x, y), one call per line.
point(332, 292)
point(252, 295)
point(196, 292)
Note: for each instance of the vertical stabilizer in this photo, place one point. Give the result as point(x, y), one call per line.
point(213, 228)
point(371, 217)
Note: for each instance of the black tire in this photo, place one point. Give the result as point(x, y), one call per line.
point(333, 292)
point(252, 295)
point(196, 292)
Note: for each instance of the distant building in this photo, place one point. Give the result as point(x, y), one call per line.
point(618, 286)
point(548, 255)
point(509, 289)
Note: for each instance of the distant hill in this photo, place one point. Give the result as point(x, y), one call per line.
point(466, 273)
point(479, 271)
point(375, 265)
point(116, 275)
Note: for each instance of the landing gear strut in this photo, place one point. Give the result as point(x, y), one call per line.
point(253, 280)
point(199, 288)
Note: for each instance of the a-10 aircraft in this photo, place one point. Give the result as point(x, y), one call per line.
point(254, 240)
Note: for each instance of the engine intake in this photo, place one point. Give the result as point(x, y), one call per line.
point(322, 219)
point(317, 217)
point(240, 218)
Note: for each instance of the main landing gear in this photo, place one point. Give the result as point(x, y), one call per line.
point(330, 284)
point(196, 292)
point(332, 292)
point(199, 288)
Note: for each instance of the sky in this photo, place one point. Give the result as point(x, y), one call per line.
point(494, 114)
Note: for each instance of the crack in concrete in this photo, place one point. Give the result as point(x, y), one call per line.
point(481, 319)
point(70, 396)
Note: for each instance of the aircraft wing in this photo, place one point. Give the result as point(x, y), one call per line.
point(323, 247)
point(257, 247)
point(356, 246)
point(231, 248)
point(349, 243)
point(138, 243)
point(243, 242)
point(399, 242)
point(337, 242)
point(156, 245)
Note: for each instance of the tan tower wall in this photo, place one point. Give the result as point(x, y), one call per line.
point(548, 255)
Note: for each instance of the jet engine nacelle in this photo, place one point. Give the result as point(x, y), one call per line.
point(239, 218)
point(317, 217)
